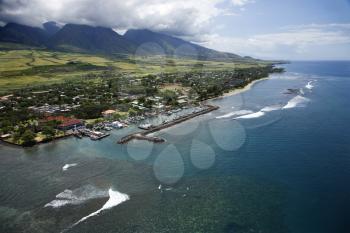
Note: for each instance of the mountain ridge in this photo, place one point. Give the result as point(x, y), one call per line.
point(175, 46)
point(103, 40)
point(90, 39)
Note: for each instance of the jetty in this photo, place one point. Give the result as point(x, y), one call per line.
point(93, 135)
point(143, 135)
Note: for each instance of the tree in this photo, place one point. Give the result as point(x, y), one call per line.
point(28, 138)
point(49, 132)
point(169, 96)
point(132, 112)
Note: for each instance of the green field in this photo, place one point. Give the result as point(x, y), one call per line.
point(24, 66)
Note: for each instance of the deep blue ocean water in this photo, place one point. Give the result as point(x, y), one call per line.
point(269, 160)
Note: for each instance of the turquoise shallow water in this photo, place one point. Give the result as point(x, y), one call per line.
point(267, 161)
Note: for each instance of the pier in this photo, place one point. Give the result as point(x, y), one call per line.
point(143, 135)
point(93, 135)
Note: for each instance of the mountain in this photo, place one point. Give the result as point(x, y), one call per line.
point(89, 39)
point(83, 38)
point(51, 28)
point(158, 43)
point(17, 33)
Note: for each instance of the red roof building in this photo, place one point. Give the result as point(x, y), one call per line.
point(67, 123)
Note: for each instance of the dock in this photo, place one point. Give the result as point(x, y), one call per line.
point(93, 135)
point(143, 135)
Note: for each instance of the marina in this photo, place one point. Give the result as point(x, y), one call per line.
point(93, 135)
point(164, 125)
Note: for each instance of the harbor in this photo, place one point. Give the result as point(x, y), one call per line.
point(151, 129)
point(93, 135)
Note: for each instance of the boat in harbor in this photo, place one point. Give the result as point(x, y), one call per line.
point(145, 126)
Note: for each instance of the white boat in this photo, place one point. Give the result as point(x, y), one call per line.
point(145, 126)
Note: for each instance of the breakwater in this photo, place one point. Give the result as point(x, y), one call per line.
point(143, 135)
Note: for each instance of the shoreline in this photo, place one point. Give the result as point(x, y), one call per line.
point(230, 93)
point(239, 90)
point(14, 145)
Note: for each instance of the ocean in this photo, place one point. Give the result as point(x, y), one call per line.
point(275, 158)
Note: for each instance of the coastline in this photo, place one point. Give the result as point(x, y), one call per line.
point(14, 145)
point(240, 90)
point(230, 93)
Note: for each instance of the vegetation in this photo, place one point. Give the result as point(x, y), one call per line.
point(25, 67)
point(36, 83)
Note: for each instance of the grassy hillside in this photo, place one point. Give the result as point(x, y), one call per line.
point(23, 66)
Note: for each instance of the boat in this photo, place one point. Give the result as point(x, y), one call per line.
point(145, 126)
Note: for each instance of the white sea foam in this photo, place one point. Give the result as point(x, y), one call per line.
point(115, 198)
point(252, 115)
point(76, 196)
point(298, 101)
point(235, 113)
point(271, 108)
point(309, 85)
point(67, 166)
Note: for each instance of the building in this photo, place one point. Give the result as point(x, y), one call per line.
point(182, 100)
point(108, 113)
point(70, 124)
point(66, 123)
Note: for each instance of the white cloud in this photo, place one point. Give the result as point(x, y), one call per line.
point(296, 41)
point(241, 2)
point(178, 17)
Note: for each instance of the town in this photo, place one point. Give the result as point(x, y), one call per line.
point(97, 103)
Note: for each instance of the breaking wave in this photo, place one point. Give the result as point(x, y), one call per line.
point(235, 113)
point(252, 115)
point(271, 108)
point(309, 85)
point(77, 196)
point(67, 166)
point(298, 101)
point(260, 113)
point(115, 198)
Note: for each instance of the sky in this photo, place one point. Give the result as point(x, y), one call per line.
point(267, 29)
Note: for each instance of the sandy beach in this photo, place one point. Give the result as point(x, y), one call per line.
point(244, 89)
point(240, 90)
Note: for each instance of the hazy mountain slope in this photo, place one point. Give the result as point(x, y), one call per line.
point(173, 46)
point(16, 33)
point(51, 28)
point(90, 39)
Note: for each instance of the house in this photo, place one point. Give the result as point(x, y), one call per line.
point(70, 124)
point(4, 136)
point(5, 98)
point(158, 106)
point(66, 123)
point(108, 113)
point(135, 82)
point(182, 100)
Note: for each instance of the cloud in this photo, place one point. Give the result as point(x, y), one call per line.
point(294, 41)
point(241, 2)
point(178, 17)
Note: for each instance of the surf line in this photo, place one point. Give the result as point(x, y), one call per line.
point(115, 198)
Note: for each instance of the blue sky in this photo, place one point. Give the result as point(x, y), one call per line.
point(273, 29)
point(288, 29)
